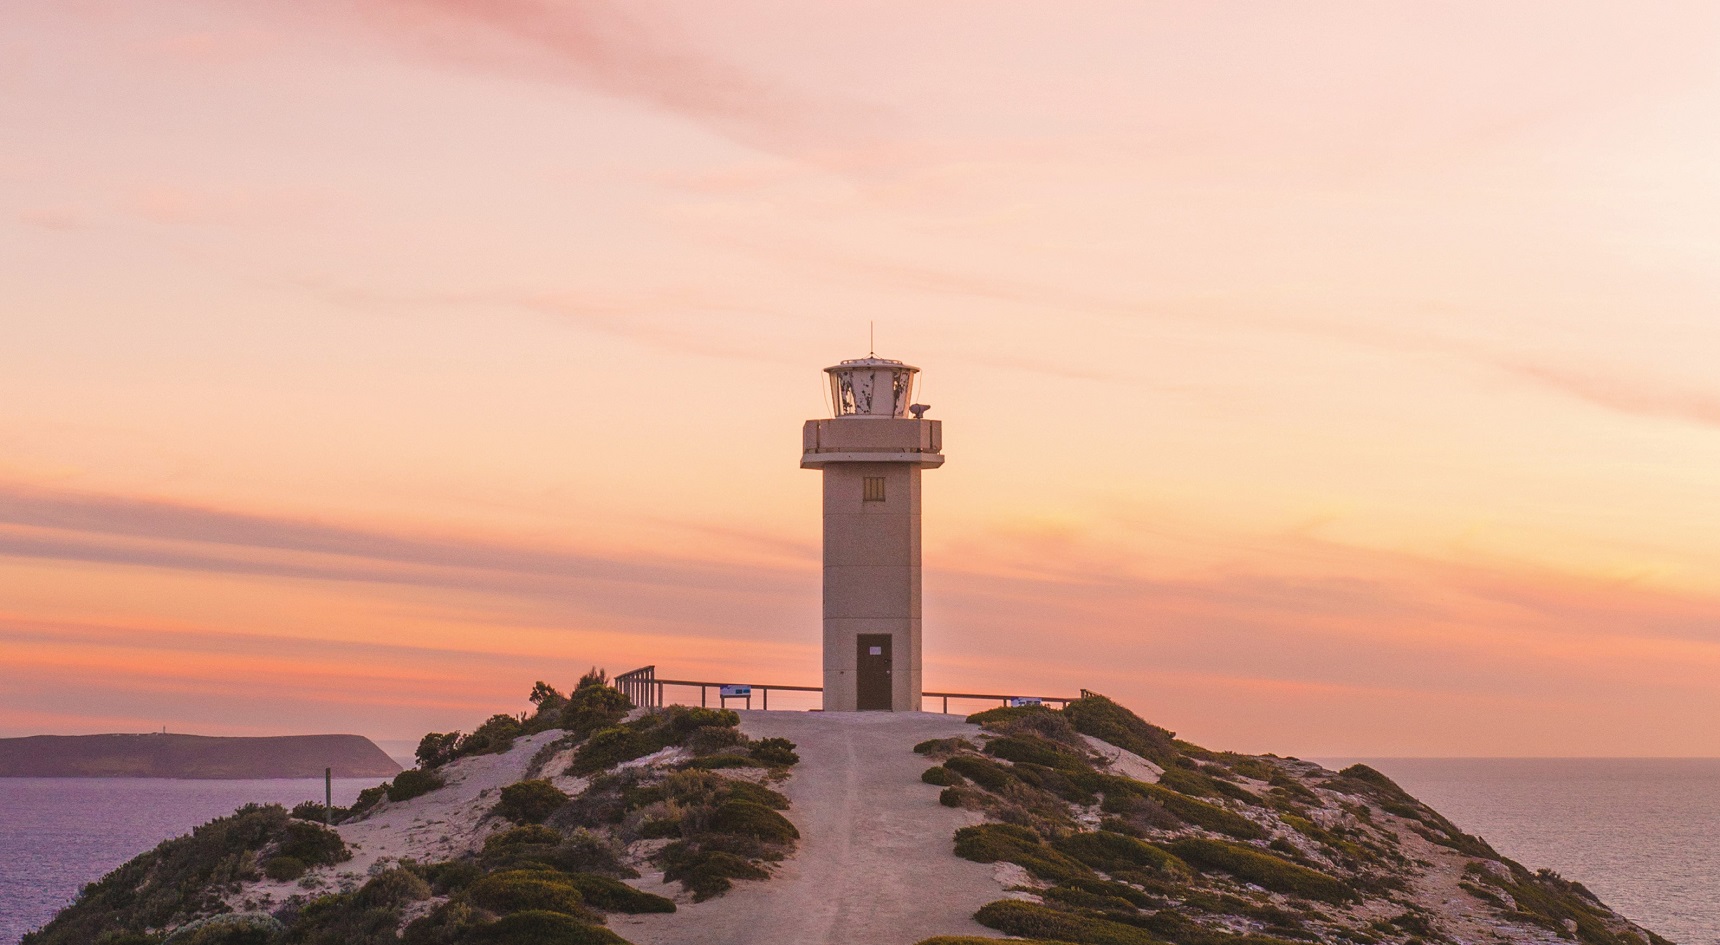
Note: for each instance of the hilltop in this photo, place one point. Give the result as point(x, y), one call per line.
point(159, 755)
point(589, 823)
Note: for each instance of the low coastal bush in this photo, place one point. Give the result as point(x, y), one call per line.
point(1034, 749)
point(675, 725)
point(313, 844)
point(991, 843)
point(529, 890)
point(613, 895)
point(706, 872)
point(530, 802)
point(725, 760)
point(411, 783)
point(284, 869)
point(229, 929)
point(941, 776)
point(167, 886)
point(943, 746)
point(1198, 784)
point(1200, 813)
point(1261, 868)
point(367, 798)
point(541, 928)
point(749, 819)
point(363, 917)
point(1107, 721)
point(972, 940)
point(1014, 917)
point(984, 772)
point(1114, 852)
point(777, 752)
point(593, 706)
point(391, 889)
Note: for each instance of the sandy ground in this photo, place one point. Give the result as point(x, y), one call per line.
point(438, 826)
point(875, 865)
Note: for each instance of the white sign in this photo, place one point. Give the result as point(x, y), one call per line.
point(1016, 702)
point(727, 691)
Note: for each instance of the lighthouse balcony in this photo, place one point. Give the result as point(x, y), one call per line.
point(889, 440)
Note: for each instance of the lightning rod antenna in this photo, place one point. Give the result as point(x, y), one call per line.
point(871, 339)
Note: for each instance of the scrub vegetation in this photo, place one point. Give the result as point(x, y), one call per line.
point(551, 869)
point(1222, 849)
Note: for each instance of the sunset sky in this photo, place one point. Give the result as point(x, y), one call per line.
point(1317, 378)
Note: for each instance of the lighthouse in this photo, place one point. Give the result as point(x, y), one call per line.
point(871, 452)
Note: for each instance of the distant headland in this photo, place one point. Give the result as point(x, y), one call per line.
point(160, 755)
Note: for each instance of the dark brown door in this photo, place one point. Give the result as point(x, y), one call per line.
point(872, 664)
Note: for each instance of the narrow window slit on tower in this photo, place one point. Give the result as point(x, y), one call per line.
point(873, 489)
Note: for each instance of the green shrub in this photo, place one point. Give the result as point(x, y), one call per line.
point(166, 886)
point(313, 812)
point(1033, 749)
point(1111, 852)
point(757, 793)
point(1014, 917)
point(521, 835)
point(315, 845)
point(590, 708)
point(530, 802)
point(284, 869)
point(714, 738)
point(990, 843)
point(1005, 715)
point(1259, 769)
point(684, 720)
point(1202, 814)
point(749, 819)
point(777, 752)
point(1201, 785)
point(529, 890)
point(391, 889)
point(1262, 869)
point(613, 895)
point(452, 876)
point(496, 735)
point(542, 928)
point(1107, 721)
point(228, 929)
point(608, 747)
point(436, 749)
point(706, 873)
point(956, 797)
point(413, 782)
point(726, 760)
point(984, 772)
point(943, 746)
point(368, 798)
point(972, 940)
point(941, 776)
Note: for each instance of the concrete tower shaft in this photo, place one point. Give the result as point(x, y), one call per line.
point(871, 455)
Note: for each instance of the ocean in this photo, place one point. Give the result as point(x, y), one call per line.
point(1641, 833)
point(1644, 834)
point(56, 834)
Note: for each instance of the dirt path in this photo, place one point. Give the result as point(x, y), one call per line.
point(874, 865)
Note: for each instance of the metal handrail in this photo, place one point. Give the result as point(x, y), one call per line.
point(645, 690)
